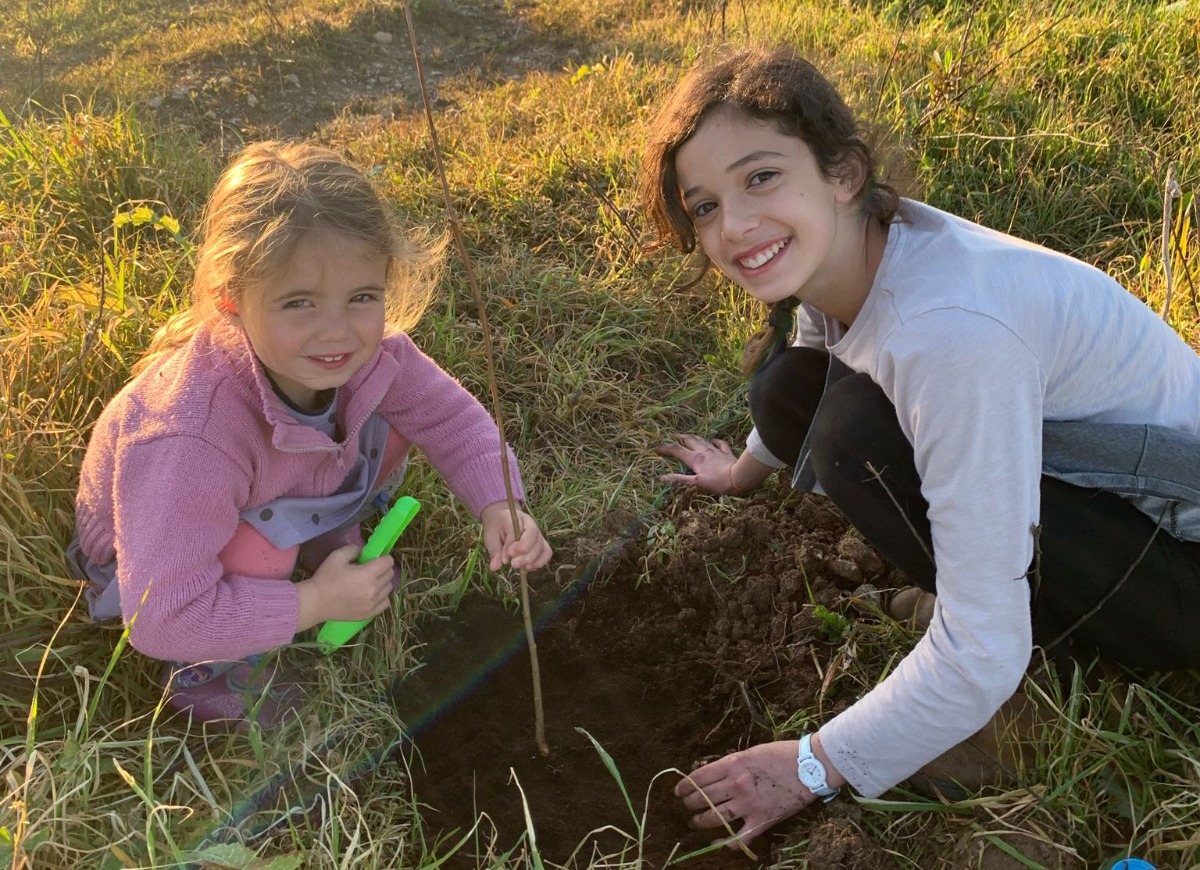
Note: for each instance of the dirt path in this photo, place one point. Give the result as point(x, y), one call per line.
point(363, 68)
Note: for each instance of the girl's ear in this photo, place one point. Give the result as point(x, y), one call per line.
point(852, 176)
point(229, 308)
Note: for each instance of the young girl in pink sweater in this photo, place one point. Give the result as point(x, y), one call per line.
point(267, 421)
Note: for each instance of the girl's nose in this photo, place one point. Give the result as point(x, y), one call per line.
point(737, 221)
point(333, 325)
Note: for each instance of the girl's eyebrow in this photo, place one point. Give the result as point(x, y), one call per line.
point(305, 292)
point(736, 165)
point(750, 158)
point(289, 293)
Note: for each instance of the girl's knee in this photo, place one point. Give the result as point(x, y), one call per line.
point(796, 372)
point(784, 395)
point(855, 421)
point(250, 553)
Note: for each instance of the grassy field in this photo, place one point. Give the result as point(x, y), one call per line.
point(1055, 121)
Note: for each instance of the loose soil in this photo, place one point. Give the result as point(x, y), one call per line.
point(682, 641)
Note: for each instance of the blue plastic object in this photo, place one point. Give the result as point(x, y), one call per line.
point(1133, 864)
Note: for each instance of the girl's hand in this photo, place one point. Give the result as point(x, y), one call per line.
point(758, 785)
point(714, 466)
point(530, 551)
point(342, 589)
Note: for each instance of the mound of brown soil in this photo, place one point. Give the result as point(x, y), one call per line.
point(681, 642)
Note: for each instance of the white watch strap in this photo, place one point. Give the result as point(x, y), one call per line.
point(805, 758)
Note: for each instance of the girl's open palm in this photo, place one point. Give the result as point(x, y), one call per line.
point(709, 462)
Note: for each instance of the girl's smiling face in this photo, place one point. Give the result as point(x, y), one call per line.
point(763, 212)
point(319, 320)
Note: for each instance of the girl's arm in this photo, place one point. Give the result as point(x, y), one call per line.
point(175, 510)
point(968, 395)
point(433, 411)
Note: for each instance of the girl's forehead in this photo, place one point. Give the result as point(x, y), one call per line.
point(337, 244)
point(731, 115)
point(728, 134)
point(326, 257)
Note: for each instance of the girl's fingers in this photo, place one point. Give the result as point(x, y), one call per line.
point(703, 777)
point(715, 817)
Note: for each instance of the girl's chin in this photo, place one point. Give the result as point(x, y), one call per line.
point(771, 297)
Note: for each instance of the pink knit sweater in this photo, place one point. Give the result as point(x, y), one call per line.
point(200, 436)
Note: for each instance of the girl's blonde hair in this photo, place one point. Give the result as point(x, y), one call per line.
point(268, 198)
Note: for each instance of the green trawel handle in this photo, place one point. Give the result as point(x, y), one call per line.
point(333, 634)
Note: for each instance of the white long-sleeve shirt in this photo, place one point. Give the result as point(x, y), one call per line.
point(977, 338)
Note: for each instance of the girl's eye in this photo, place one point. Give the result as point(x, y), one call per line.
point(295, 304)
point(762, 176)
point(701, 209)
point(365, 297)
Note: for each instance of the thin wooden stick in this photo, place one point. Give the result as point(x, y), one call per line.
point(1171, 192)
point(539, 721)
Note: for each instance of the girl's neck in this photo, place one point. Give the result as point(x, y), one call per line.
point(845, 292)
point(320, 402)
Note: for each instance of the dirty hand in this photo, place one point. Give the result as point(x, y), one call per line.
point(530, 551)
point(342, 589)
point(709, 461)
point(757, 785)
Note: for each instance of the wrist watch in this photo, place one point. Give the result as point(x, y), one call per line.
point(811, 772)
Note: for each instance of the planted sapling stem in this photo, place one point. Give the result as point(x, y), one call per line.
point(497, 411)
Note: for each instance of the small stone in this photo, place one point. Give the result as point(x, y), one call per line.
point(292, 79)
point(869, 596)
point(251, 100)
point(383, 37)
point(849, 574)
point(860, 553)
point(155, 101)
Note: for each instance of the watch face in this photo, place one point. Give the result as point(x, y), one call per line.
point(812, 772)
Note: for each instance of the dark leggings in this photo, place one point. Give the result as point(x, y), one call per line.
point(1089, 539)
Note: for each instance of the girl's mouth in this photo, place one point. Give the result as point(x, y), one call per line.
point(331, 361)
point(766, 255)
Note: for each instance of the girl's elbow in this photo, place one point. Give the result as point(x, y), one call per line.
point(1008, 672)
point(167, 640)
point(155, 644)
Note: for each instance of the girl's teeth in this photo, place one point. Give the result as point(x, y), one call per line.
point(763, 256)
